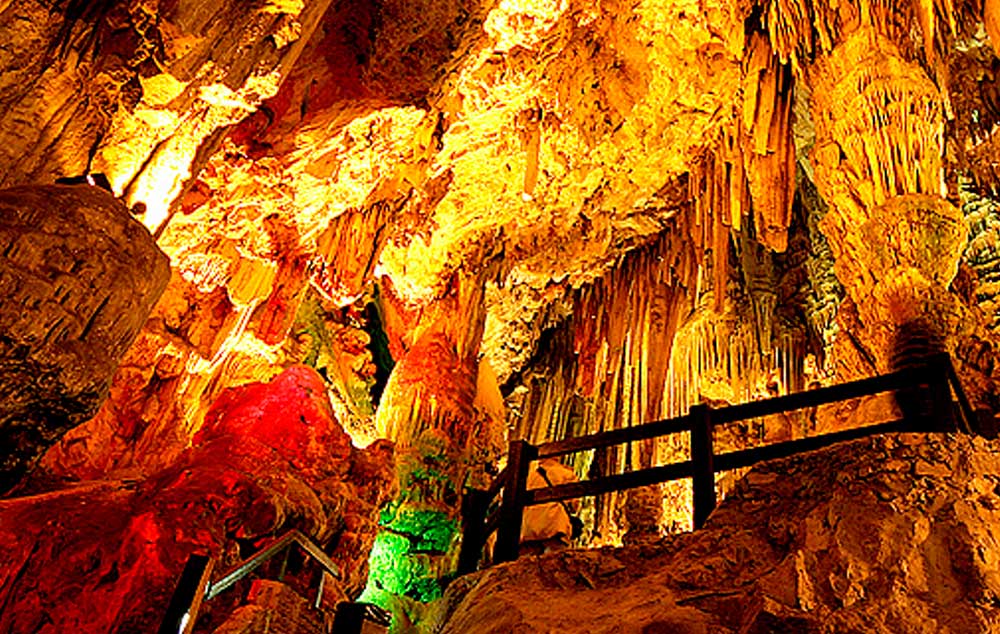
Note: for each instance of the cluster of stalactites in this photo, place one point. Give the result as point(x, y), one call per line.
point(646, 342)
point(752, 168)
point(802, 30)
point(726, 359)
point(346, 252)
point(879, 125)
point(613, 353)
point(868, 86)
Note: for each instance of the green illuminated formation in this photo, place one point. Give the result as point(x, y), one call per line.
point(403, 559)
point(414, 552)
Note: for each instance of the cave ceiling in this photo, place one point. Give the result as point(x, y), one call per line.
point(293, 151)
point(542, 138)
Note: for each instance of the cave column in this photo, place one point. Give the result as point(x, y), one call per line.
point(896, 241)
point(438, 407)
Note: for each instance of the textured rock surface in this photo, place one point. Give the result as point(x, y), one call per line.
point(623, 208)
point(134, 89)
point(892, 534)
point(78, 277)
point(106, 556)
point(440, 408)
point(377, 151)
point(273, 608)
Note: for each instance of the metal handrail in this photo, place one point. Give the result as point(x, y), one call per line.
point(193, 588)
point(291, 537)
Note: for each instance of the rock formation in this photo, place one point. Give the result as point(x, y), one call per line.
point(476, 221)
point(78, 277)
point(105, 556)
point(893, 534)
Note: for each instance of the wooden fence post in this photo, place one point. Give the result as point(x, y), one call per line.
point(926, 403)
point(474, 507)
point(942, 412)
point(519, 458)
point(703, 473)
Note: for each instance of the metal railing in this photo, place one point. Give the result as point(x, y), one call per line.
point(934, 378)
point(194, 585)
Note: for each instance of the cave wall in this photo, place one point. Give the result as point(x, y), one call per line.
point(619, 209)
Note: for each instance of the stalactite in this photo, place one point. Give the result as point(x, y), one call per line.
point(751, 169)
point(768, 151)
point(347, 251)
point(882, 116)
point(640, 347)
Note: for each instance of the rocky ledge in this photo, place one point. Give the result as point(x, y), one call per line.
point(892, 534)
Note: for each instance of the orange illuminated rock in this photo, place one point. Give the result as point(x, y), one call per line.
point(78, 277)
point(886, 535)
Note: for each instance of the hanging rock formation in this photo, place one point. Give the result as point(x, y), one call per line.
point(78, 277)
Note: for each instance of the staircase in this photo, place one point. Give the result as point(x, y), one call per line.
point(270, 607)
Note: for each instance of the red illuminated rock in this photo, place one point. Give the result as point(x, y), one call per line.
point(290, 416)
point(105, 556)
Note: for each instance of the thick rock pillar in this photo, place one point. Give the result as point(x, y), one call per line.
point(434, 409)
point(897, 242)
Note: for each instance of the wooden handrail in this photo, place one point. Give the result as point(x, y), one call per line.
point(607, 484)
point(735, 413)
point(819, 396)
point(936, 373)
point(646, 431)
point(749, 457)
point(968, 414)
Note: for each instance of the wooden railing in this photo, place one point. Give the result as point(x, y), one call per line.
point(932, 380)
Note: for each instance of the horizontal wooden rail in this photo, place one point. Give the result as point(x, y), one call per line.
point(934, 379)
point(819, 396)
point(750, 457)
point(607, 484)
point(733, 413)
point(614, 437)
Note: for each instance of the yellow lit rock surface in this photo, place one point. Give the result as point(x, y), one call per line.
point(613, 165)
point(524, 218)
